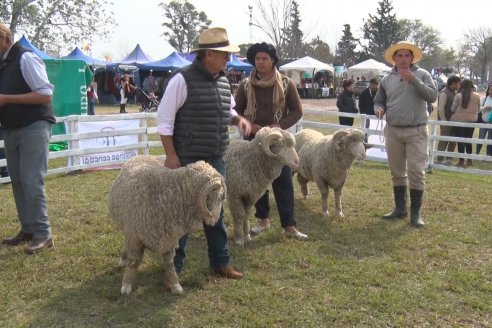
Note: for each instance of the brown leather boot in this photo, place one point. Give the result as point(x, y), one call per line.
point(469, 162)
point(461, 163)
point(228, 272)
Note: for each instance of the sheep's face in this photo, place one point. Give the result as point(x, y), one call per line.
point(214, 201)
point(285, 148)
point(357, 149)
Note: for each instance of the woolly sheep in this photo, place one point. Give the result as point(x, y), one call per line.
point(155, 206)
point(326, 160)
point(251, 167)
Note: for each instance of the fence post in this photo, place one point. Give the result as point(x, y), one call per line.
point(145, 136)
point(74, 144)
point(430, 159)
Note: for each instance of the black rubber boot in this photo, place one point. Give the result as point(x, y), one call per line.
point(400, 210)
point(122, 108)
point(415, 204)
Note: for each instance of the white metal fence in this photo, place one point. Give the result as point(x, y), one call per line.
point(73, 153)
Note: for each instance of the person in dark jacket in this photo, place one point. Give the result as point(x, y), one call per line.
point(193, 123)
point(366, 100)
point(346, 103)
point(26, 115)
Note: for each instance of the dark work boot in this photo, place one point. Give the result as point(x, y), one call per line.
point(400, 210)
point(122, 108)
point(415, 204)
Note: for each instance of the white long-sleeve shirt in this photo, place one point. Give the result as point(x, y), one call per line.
point(34, 73)
point(172, 100)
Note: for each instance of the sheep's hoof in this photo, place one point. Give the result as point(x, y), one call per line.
point(126, 290)
point(239, 242)
point(176, 289)
point(339, 215)
point(304, 196)
point(326, 214)
point(121, 262)
point(247, 237)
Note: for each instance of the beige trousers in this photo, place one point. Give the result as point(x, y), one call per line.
point(407, 149)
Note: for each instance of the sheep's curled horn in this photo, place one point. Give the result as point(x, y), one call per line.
point(338, 136)
point(265, 144)
point(203, 194)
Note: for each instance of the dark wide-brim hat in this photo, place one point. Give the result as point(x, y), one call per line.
point(261, 47)
point(403, 45)
point(215, 38)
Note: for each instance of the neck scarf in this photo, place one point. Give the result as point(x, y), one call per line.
point(272, 80)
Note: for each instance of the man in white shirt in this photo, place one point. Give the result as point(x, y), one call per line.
point(27, 116)
point(192, 120)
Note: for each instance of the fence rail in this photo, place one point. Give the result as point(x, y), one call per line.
point(144, 145)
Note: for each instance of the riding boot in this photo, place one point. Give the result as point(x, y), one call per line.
point(122, 108)
point(400, 210)
point(415, 205)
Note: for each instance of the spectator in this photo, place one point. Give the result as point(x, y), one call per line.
point(444, 102)
point(465, 108)
point(346, 103)
point(91, 98)
point(366, 100)
point(4, 172)
point(126, 89)
point(486, 107)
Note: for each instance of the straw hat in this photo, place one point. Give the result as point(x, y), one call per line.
point(215, 38)
point(417, 53)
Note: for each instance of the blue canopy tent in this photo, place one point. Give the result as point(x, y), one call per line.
point(78, 54)
point(238, 65)
point(170, 63)
point(137, 56)
point(25, 43)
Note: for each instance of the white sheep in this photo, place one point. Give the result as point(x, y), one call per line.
point(155, 206)
point(251, 167)
point(326, 160)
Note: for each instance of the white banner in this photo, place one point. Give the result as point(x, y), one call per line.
point(376, 140)
point(109, 141)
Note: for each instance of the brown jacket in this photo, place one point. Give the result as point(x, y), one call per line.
point(292, 111)
point(468, 114)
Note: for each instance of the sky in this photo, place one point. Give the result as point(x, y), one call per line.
point(139, 21)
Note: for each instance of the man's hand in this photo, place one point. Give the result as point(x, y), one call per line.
point(379, 112)
point(244, 126)
point(172, 161)
point(406, 74)
point(255, 128)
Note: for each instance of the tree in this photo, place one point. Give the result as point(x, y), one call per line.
point(55, 24)
point(274, 20)
point(381, 31)
point(319, 50)
point(478, 42)
point(345, 54)
point(184, 23)
point(426, 38)
point(293, 34)
point(243, 48)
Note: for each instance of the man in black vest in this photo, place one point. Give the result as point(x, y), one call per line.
point(193, 122)
point(444, 102)
point(27, 116)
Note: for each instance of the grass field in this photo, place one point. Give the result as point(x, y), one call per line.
point(358, 271)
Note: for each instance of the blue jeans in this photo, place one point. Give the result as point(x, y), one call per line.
point(482, 133)
point(27, 155)
point(90, 106)
point(218, 246)
point(283, 190)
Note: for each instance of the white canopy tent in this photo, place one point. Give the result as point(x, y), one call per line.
point(369, 68)
point(307, 64)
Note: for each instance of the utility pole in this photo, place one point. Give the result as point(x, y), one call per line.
point(250, 23)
